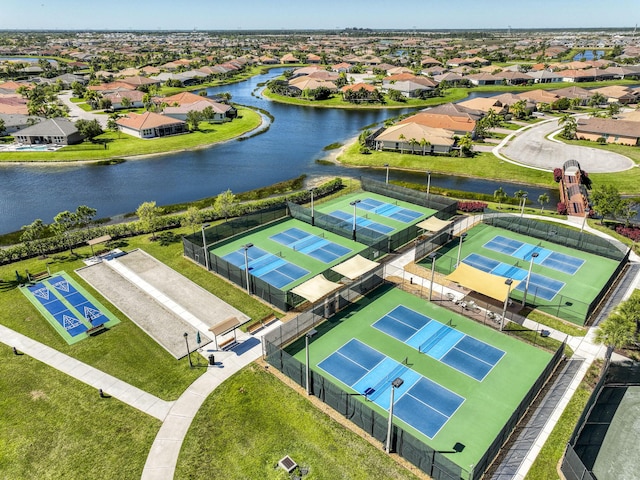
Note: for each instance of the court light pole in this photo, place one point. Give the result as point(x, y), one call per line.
point(204, 246)
point(428, 186)
point(462, 235)
point(313, 220)
point(534, 255)
point(188, 353)
point(397, 383)
point(354, 203)
point(508, 282)
point(308, 337)
point(246, 264)
point(386, 180)
point(524, 200)
point(432, 256)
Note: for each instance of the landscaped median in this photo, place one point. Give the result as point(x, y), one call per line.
point(119, 145)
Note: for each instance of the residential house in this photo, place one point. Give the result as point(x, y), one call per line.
point(289, 58)
point(539, 96)
point(416, 138)
point(14, 122)
point(484, 79)
point(459, 125)
point(484, 104)
point(367, 89)
point(150, 125)
point(134, 98)
point(545, 76)
point(622, 132)
point(14, 104)
point(617, 94)
point(574, 92)
point(59, 131)
point(307, 83)
point(137, 81)
point(220, 111)
point(515, 77)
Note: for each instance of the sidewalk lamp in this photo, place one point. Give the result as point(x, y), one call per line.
point(246, 264)
point(354, 203)
point(397, 383)
point(462, 235)
point(534, 255)
point(308, 337)
point(387, 177)
point(188, 353)
point(524, 200)
point(204, 245)
point(313, 221)
point(432, 256)
point(508, 282)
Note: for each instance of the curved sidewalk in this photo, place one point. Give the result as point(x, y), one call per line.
point(124, 392)
point(163, 455)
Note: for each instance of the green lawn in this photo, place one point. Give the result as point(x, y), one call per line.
point(125, 351)
point(56, 427)
point(482, 165)
point(121, 145)
point(253, 420)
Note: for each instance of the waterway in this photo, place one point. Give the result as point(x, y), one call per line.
point(589, 55)
point(290, 147)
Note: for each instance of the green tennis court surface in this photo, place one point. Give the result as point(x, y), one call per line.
point(564, 281)
point(449, 405)
point(379, 213)
point(69, 308)
point(287, 253)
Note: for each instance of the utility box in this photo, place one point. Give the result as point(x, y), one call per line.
point(212, 360)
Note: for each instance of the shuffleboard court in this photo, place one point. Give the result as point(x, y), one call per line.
point(419, 402)
point(539, 285)
point(390, 210)
point(313, 245)
point(69, 309)
point(362, 222)
point(524, 251)
point(270, 268)
point(462, 352)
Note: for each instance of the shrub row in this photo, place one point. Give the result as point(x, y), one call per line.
point(471, 207)
point(630, 232)
point(77, 238)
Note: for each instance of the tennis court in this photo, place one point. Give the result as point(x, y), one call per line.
point(362, 222)
point(419, 402)
point(391, 210)
point(271, 268)
point(315, 246)
point(68, 308)
point(466, 354)
point(524, 251)
point(543, 287)
point(437, 402)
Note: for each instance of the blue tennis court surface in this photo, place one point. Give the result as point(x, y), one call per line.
point(317, 247)
point(547, 258)
point(270, 268)
point(466, 354)
point(362, 222)
point(419, 402)
point(71, 317)
point(390, 210)
point(539, 285)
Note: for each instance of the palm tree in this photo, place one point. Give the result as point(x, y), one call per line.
point(424, 143)
point(413, 142)
point(499, 195)
point(402, 138)
point(542, 199)
point(617, 331)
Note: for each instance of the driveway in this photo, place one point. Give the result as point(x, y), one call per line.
point(531, 147)
point(76, 113)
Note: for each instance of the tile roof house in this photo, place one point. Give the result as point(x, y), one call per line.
point(459, 125)
point(59, 131)
point(150, 125)
point(221, 112)
point(623, 132)
point(135, 98)
point(406, 137)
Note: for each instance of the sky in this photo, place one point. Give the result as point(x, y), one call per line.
point(321, 15)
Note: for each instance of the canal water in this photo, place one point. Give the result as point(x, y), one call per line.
point(290, 147)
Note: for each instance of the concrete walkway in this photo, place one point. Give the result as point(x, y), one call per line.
point(111, 386)
point(163, 456)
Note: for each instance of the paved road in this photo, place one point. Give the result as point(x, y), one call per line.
point(531, 147)
point(76, 113)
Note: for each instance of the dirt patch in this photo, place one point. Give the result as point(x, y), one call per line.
point(38, 395)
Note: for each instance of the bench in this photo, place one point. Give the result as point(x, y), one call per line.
point(97, 330)
point(260, 324)
point(227, 343)
point(36, 277)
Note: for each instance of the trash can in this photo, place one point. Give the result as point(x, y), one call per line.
point(212, 360)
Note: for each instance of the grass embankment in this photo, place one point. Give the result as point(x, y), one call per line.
point(253, 420)
point(545, 466)
point(125, 351)
point(56, 427)
point(121, 145)
point(482, 165)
